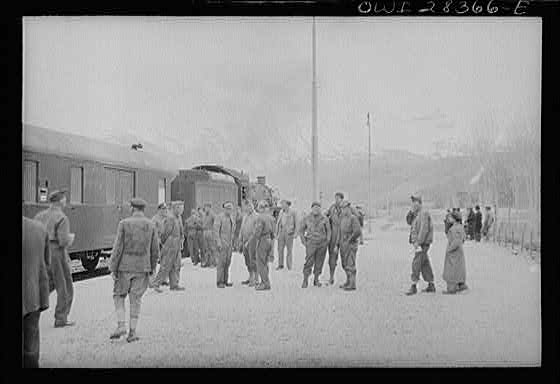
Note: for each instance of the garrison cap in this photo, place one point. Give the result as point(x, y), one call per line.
point(416, 197)
point(57, 195)
point(315, 203)
point(138, 202)
point(227, 204)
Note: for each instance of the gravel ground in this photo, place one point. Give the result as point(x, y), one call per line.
point(496, 323)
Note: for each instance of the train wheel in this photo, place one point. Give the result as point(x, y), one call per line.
point(90, 259)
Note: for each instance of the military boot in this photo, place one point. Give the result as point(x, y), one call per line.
point(132, 336)
point(305, 283)
point(351, 283)
point(251, 279)
point(431, 288)
point(316, 282)
point(120, 331)
point(346, 283)
point(412, 290)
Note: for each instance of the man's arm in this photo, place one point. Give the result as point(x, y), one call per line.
point(356, 229)
point(424, 228)
point(47, 251)
point(329, 230)
point(116, 253)
point(302, 229)
point(63, 233)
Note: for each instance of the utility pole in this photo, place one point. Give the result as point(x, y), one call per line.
point(314, 136)
point(369, 173)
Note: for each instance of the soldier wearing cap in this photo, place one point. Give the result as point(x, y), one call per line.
point(159, 218)
point(333, 214)
point(315, 234)
point(192, 242)
point(133, 260)
point(199, 236)
point(210, 251)
point(348, 238)
point(421, 236)
point(224, 227)
point(172, 238)
point(285, 233)
point(60, 238)
point(263, 236)
point(454, 270)
point(249, 245)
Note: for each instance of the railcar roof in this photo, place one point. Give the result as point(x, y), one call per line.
point(228, 171)
point(66, 144)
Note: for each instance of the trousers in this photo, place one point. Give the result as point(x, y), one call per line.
point(62, 276)
point(170, 266)
point(31, 341)
point(209, 247)
point(192, 247)
point(133, 284)
point(421, 264)
point(285, 241)
point(333, 256)
point(264, 247)
point(348, 258)
point(250, 254)
point(223, 264)
point(314, 259)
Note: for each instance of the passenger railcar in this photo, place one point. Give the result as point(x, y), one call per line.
point(100, 177)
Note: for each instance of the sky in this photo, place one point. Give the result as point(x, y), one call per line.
point(238, 90)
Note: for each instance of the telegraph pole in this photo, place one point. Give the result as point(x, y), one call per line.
point(369, 173)
point(314, 137)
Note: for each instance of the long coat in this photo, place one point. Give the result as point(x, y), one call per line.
point(454, 270)
point(35, 259)
point(172, 238)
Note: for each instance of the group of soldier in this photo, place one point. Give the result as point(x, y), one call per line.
point(475, 226)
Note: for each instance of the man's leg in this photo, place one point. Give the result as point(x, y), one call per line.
point(227, 264)
point(350, 267)
point(310, 252)
point(121, 286)
point(333, 257)
point(344, 251)
point(252, 248)
point(290, 248)
point(31, 340)
point(263, 250)
point(138, 286)
point(69, 286)
point(281, 246)
point(415, 275)
point(319, 260)
point(175, 272)
point(165, 265)
point(60, 285)
point(426, 267)
point(220, 269)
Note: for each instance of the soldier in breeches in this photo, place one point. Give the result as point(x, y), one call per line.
point(225, 234)
point(172, 238)
point(249, 244)
point(60, 238)
point(263, 235)
point(333, 215)
point(209, 237)
point(350, 232)
point(133, 260)
point(421, 236)
point(191, 237)
point(315, 234)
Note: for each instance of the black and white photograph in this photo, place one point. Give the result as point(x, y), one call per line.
point(281, 191)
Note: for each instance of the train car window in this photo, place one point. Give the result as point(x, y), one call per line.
point(161, 191)
point(29, 181)
point(110, 185)
point(126, 180)
point(76, 185)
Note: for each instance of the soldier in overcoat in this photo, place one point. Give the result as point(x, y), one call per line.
point(133, 260)
point(60, 238)
point(454, 269)
point(35, 259)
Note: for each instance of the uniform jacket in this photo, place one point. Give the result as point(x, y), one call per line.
point(158, 220)
point(317, 230)
point(35, 259)
point(208, 221)
point(454, 270)
point(488, 221)
point(136, 247)
point(264, 226)
point(191, 224)
point(286, 223)
point(247, 227)
point(224, 227)
point(58, 227)
point(422, 230)
point(333, 214)
point(350, 230)
point(172, 236)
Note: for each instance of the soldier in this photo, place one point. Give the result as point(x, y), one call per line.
point(238, 214)
point(285, 233)
point(447, 224)
point(470, 224)
point(263, 235)
point(249, 244)
point(192, 245)
point(333, 215)
point(35, 260)
point(158, 219)
point(477, 223)
point(361, 216)
point(224, 227)
point(172, 238)
point(454, 270)
point(199, 243)
point(488, 221)
point(60, 238)
point(315, 234)
point(133, 259)
point(350, 231)
point(421, 236)
point(209, 236)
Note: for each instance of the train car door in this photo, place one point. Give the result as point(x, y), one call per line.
point(126, 192)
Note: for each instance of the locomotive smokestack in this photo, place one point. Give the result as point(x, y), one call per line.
point(261, 180)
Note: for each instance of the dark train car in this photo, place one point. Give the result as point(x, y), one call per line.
point(208, 184)
point(100, 177)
